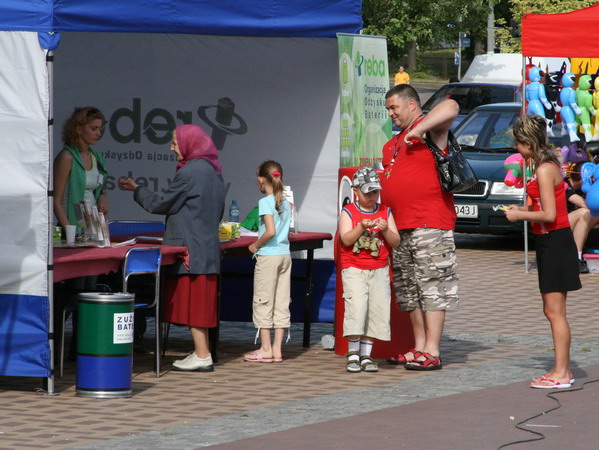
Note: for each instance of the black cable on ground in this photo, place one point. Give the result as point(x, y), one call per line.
point(541, 436)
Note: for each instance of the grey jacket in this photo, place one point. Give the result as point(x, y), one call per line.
point(193, 204)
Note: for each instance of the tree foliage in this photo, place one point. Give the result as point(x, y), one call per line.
point(411, 25)
point(402, 21)
point(508, 32)
point(422, 24)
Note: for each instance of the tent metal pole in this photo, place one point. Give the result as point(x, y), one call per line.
point(52, 340)
point(526, 264)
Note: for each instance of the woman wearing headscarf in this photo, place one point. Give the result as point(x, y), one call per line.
point(193, 205)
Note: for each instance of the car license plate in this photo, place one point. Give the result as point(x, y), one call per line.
point(466, 211)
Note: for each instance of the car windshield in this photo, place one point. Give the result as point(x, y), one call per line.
point(469, 97)
point(491, 131)
point(488, 130)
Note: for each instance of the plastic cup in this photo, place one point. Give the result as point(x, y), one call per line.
point(70, 231)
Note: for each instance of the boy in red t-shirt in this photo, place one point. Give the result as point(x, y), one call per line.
point(367, 230)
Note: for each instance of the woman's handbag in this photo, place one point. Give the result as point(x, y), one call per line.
point(455, 173)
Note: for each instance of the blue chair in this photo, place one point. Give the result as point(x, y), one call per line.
point(126, 227)
point(146, 261)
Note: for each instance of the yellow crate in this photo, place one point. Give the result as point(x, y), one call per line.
point(228, 230)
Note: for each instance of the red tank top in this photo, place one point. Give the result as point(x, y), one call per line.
point(364, 258)
point(561, 207)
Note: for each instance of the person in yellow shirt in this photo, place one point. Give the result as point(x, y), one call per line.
point(402, 77)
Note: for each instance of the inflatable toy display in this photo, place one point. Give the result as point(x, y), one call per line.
point(584, 100)
point(535, 94)
point(553, 87)
point(596, 106)
point(514, 165)
point(589, 173)
point(567, 98)
point(573, 154)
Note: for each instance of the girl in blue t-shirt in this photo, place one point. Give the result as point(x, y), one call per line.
point(272, 274)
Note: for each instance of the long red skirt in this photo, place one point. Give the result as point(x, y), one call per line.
point(191, 300)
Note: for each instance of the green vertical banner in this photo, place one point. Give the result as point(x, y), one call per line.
point(363, 82)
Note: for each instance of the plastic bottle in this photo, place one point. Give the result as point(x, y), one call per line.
point(234, 212)
point(288, 194)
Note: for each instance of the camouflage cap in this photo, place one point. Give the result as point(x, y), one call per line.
point(366, 179)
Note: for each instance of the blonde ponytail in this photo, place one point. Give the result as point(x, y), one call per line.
point(272, 171)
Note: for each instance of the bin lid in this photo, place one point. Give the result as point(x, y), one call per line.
point(106, 297)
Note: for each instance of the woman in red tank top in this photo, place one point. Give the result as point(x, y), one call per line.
point(556, 254)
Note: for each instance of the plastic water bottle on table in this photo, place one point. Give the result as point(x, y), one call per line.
point(234, 212)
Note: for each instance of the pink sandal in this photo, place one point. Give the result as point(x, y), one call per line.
point(547, 383)
point(536, 380)
point(256, 357)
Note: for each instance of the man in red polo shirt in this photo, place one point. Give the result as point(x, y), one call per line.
point(424, 265)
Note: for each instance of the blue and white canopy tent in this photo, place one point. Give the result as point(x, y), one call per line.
point(29, 33)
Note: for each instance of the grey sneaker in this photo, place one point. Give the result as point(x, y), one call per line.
point(193, 363)
point(186, 358)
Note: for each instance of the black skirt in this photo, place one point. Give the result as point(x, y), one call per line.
point(557, 261)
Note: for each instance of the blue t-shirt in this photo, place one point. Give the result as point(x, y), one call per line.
point(279, 244)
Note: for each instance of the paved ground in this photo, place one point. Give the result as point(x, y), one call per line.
point(425, 90)
point(492, 346)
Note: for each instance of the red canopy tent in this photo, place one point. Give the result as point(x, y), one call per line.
point(561, 35)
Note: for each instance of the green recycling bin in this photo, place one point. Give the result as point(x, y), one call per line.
point(104, 345)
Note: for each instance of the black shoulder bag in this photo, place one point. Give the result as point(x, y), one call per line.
point(455, 173)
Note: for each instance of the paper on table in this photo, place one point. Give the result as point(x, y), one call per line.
point(138, 239)
point(123, 243)
point(246, 232)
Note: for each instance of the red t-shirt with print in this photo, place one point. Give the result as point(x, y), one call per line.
point(364, 259)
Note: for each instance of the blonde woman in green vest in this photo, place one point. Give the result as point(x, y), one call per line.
point(79, 171)
point(79, 174)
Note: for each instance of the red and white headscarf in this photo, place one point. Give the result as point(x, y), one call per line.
point(194, 143)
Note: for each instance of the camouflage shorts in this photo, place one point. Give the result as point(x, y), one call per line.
point(424, 270)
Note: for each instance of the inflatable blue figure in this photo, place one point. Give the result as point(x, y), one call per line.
point(589, 173)
point(567, 98)
point(536, 96)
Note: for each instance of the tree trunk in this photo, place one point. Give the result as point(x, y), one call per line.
point(479, 47)
point(412, 57)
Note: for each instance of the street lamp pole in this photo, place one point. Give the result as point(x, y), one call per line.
point(460, 36)
point(491, 29)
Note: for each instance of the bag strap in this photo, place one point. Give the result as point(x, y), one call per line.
point(434, 148)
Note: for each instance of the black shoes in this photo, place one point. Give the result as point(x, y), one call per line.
point(582, 266)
